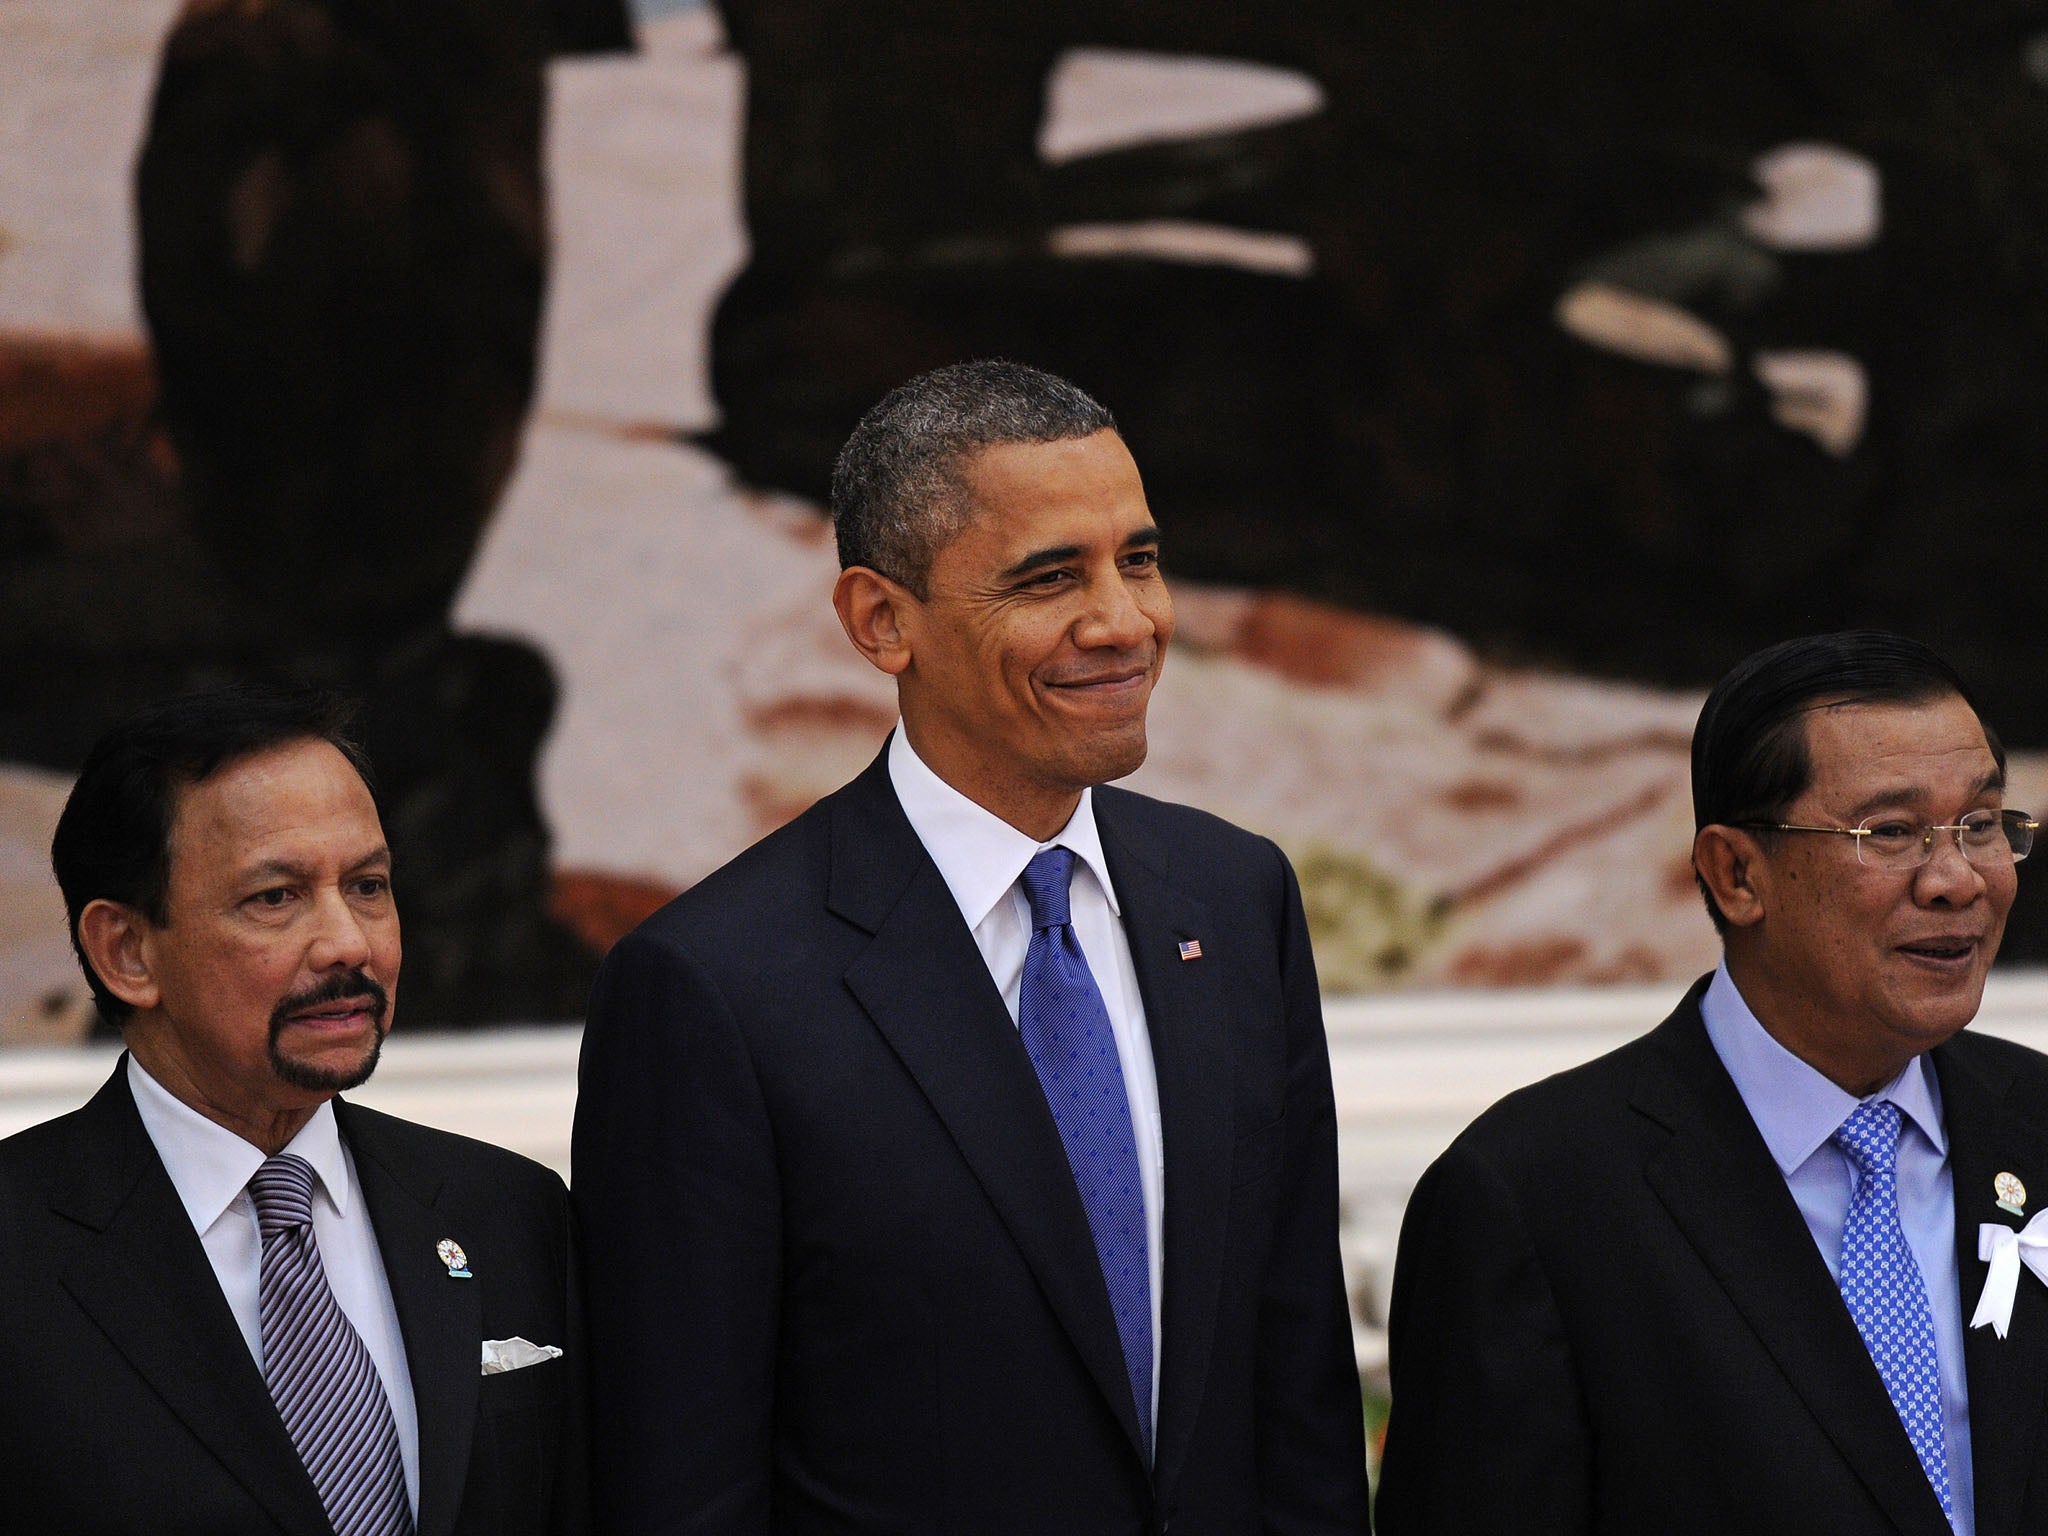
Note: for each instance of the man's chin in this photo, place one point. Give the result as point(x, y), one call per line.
point(329, 1071)
point(1110, 755)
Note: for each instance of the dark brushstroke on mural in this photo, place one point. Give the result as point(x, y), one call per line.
point(343, 259)
point(1408, 430)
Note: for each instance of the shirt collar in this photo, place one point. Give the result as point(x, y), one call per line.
point(210, 1165)
point(979, 854)
point(1796, 1107)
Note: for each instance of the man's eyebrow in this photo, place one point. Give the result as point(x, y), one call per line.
point(1142, 538)
point(1906, 794)
point(286, 869)
point(1039, 559)
point(275, 869)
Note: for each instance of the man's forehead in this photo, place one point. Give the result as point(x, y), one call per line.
point(1850, 742)
point(247, 811)
point(1014, 491)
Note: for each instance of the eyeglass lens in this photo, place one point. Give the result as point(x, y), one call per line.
point(1985, 837)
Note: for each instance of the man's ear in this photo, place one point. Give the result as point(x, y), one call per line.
point(877, 615)
point(1730, 862)
point(115, 938)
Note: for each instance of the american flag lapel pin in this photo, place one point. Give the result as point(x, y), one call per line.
point(1191, 949)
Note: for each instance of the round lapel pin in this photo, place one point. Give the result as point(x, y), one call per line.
point(451, 1254)
point(2012, 1194)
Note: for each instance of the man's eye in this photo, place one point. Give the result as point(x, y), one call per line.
point(1142, 560)
point(372, 886)
point(1983, 827)
point(272, 899)
point(1893, 832)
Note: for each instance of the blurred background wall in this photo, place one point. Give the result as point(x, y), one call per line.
point(1499, 376)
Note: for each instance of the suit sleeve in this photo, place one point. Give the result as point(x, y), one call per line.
point(1309, 1417)
point(678, 1200)
point(1489, 1432)
point(571, 1513)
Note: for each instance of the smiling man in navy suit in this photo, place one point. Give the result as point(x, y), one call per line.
point(231, 1302)
point(961, 1158)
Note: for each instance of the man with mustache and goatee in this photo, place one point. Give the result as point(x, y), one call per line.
point(962, 1156)
point(229, 1300)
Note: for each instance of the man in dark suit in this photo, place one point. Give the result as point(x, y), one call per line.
point(1733, 1276)
point(961, 1158)
point(230, 1301)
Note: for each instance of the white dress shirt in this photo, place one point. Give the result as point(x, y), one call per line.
point(981, 858)
point(1798, 1110)
point(210, 1167)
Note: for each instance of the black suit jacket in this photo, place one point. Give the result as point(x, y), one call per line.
point(1609, 1316)
point(131, 1406)
point(840, 1278)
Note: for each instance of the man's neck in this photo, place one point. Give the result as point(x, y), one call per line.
point(269, 1128)
point(1037, 811)
point(1854, 1065)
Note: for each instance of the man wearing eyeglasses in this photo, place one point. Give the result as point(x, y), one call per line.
point(1728, 1277)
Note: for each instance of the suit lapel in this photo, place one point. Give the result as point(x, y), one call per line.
point(441, 1318)
point(924, 984)
point(149, 1287)
point(2007, 1376)
point(1186, 1015)
point(1718, 1181)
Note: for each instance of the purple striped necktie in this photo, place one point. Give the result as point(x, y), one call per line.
point(319, 1373)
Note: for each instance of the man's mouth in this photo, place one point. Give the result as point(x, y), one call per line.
point(348, 1011)
point(1108, 679)
point(341, 1003)
point(1946, 950)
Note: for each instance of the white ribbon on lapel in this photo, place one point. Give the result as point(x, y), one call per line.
point(2005, 1250)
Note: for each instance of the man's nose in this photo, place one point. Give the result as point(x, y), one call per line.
point(1115, 617)
point(1947, 872)
point(340, 938)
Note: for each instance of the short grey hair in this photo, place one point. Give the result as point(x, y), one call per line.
point(897, 493)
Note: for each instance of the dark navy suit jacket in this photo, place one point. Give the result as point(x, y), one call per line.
point(840, 1277)
point(1609, 1316)
point(131, 1406)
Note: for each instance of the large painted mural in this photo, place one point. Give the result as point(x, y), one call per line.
point(1499, 377)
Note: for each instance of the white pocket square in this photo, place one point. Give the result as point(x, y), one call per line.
point(512, 1354)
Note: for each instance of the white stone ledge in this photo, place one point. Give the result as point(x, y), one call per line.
point(1411, 1071)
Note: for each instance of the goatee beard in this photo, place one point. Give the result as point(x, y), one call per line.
point(335, 989)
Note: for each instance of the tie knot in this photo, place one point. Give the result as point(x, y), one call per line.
point(283, 1191)
point(1045, 886)
point(1870, 1137)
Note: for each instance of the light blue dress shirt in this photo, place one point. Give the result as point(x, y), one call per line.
point(1798, 1110)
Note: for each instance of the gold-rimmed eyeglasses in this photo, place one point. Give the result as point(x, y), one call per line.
point(1886, 842)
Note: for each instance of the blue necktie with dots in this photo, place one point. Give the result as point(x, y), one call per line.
point(1066, 1032)
point(1886, 1296)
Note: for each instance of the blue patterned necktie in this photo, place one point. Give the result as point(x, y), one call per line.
point(1882, 1285)
point(319, 1373)
point(1066, 1032)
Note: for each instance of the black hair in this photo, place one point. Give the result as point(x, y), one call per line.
point(113, 839)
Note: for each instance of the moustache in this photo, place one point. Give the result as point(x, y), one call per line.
point(336, 989)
